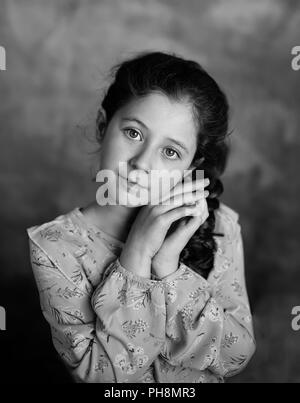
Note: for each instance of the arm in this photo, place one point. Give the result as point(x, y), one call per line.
point(209, 323)
point(112, 335)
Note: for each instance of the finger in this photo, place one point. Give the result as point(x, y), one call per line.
point(192, 225)
point(185, 229)
point(180, 200)
point(186, 187)
point(186, 198)
point(177, 213)
point(196, 221)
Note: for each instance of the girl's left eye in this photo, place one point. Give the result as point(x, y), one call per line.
point(174, 153)
point(132, 131)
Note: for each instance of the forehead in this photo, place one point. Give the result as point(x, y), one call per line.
point(163, 115)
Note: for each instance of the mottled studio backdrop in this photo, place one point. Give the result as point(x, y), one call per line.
point(58, 56)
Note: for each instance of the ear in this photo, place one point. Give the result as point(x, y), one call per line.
point(101, 122)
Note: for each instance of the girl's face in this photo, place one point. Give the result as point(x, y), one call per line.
point(149, 133)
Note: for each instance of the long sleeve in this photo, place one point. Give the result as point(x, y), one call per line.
point(112, 334)
point(208, 322)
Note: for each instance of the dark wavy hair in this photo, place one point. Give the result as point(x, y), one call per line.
point(179, 79)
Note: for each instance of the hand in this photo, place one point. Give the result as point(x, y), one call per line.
point(166, 260)
point(151, 225)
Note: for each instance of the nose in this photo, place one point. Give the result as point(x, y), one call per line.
point(140, 168)
point(141, 161)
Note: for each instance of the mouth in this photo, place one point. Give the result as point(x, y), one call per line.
point(132, 185)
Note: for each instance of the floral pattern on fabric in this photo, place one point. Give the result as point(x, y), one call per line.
point(110, 325)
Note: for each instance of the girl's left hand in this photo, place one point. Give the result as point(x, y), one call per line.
point(166, 260)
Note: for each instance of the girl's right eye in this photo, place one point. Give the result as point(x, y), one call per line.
point(131, 131)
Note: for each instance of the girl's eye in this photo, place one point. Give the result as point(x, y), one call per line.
point(132, 133)
point(173, 152)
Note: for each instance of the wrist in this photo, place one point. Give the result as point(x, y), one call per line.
point(164, 267)
point(136, 262)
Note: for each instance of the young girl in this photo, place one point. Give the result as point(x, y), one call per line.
point(151, 293)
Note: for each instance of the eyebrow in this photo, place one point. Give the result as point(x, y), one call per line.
point(179, 143)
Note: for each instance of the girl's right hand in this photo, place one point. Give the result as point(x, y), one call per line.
point(152, 222)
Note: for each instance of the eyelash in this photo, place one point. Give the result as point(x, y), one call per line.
point(134, 130)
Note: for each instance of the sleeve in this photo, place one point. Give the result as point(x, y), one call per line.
point(114, 334)
point(208, 322)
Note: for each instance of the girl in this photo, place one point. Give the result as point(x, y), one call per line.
point(151, 293)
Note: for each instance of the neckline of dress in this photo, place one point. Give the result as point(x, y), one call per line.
point(96, 229)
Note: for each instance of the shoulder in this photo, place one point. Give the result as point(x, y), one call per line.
point(60, 243)
point(61, 228)
point(227, 221)
point(227, 211)
point(60, 239)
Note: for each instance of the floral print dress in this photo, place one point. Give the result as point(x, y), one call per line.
point(111, 325)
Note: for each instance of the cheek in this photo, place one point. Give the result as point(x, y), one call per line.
point(112, 152)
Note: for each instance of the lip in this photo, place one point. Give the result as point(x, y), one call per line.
point(132, 184)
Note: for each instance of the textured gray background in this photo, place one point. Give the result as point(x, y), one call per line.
point(58, 55)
